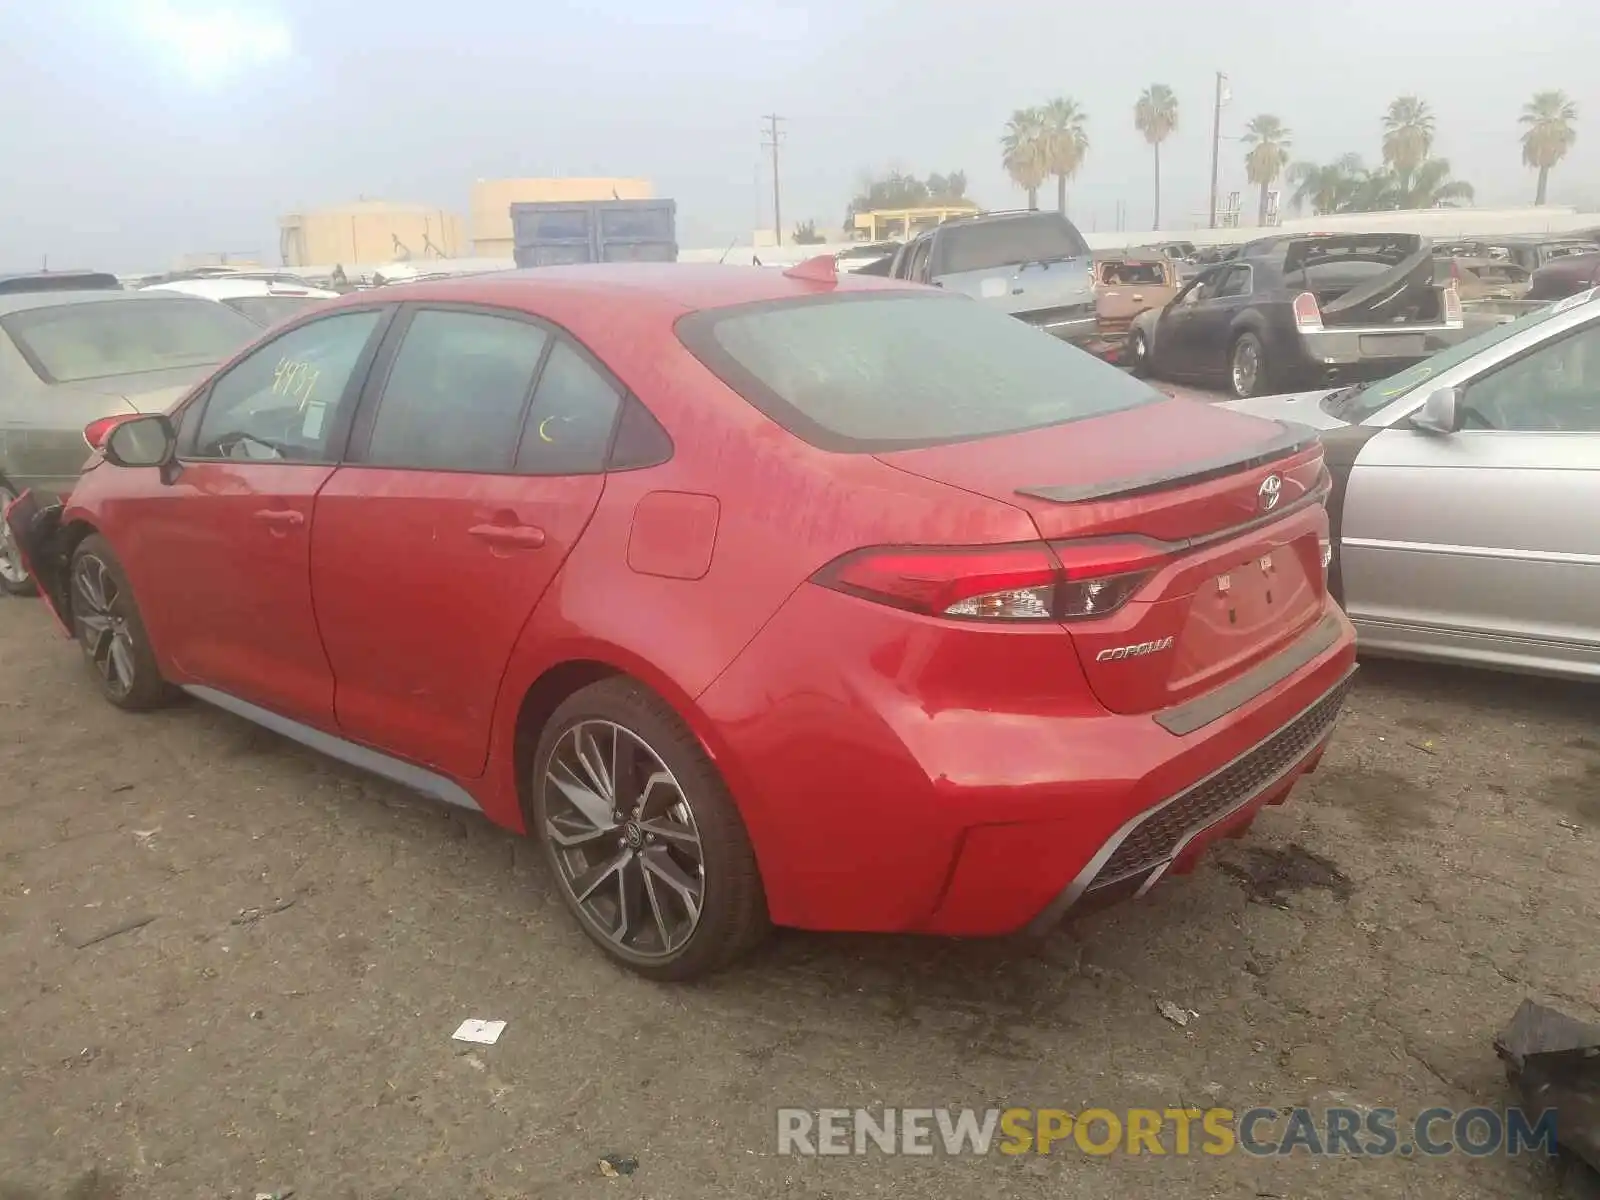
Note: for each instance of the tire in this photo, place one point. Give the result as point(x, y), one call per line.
point(1138, 355)
point(680, 924)
point(14, 580)
point(1251, 379)
point(106, 623)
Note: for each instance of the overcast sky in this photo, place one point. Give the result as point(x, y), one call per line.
point(124, 150)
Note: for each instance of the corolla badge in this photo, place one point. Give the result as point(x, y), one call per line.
point(1137, 650)
point(1268, 493)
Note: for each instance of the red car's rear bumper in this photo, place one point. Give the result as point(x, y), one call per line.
point(901, 774)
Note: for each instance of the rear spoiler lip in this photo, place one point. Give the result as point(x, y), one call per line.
point(1291, 439)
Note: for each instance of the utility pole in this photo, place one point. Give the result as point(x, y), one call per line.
point(1216, 141)
point(774, 135)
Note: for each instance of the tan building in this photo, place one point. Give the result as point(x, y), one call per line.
point(369, 231)
point(492, 200)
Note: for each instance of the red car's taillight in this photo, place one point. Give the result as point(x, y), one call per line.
point(1307, 315)
point(1024, 581)
point(96, 432)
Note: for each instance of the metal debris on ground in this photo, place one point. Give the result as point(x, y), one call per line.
point(1553, 1060)
point(1177, 1014)
point(283, 1195)
point(613, 1165)
point(484, 1033)
point(249, 916)
point(114, 931)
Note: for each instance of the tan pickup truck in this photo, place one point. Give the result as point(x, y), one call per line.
point(1124, 287)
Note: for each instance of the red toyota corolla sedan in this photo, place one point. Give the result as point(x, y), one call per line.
point(757, 596)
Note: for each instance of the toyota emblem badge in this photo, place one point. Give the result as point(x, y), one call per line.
point(1269, 491)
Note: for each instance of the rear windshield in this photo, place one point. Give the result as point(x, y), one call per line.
point(67, 281)
point(891, 372)
point(269, 310)
point(1133, 272)
point(102, 338)
point(984, 245)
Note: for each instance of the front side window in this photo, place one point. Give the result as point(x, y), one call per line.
point(279, 403)
point(1554, 389)
point(102, 339)
point(456, 394)
point(867, 373)
point(1235, 283)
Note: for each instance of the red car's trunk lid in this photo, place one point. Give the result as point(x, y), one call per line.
point(1228, 506)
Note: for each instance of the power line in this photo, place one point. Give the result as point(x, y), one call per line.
point(773, 136)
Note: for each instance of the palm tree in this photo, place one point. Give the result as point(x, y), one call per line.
point(1268, 140)
point(1327, 187)
point(1407, 134)
point(1156, 116)
point(1023, 152)
point(1065, 144)
point(1548, 135)
point(1430, 186)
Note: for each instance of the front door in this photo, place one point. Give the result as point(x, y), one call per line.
point(1485, 542)
point(224, 551)
point(1211, 328)
point(475, 469)
point(1173, 350)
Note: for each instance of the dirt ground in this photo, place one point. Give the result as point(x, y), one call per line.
point(282, 1021)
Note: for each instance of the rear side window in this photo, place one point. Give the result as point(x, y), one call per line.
point(456, 393)
point(569, 425)
point(100, 339)
point(984, 245)
point(867, 373)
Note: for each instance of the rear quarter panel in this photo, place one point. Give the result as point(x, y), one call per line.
point(784, 509)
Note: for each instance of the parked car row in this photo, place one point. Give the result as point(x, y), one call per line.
point(719, 580)
point(710, 566)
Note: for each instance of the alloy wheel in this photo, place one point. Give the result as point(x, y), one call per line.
point(624, 839)
point(102, 628)
point(12, 569)
point(1246, 367)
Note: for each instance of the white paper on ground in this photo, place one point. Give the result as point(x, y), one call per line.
point(485, 1033)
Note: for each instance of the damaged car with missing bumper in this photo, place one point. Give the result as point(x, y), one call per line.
point(1126, 285)
point(1295, 312)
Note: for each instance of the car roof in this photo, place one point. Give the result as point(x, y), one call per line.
point(214, 288)
point(670, 288)
point(22, 301)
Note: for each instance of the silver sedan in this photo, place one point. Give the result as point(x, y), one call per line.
point(70, 357)
point(1466, 501)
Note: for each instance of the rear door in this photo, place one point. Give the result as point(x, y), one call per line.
point(476, 462)
point(1485, 542)
point(224, 551)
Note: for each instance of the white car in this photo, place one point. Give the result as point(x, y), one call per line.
point(264, 301)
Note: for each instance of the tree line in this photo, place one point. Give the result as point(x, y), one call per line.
point(1051, 141)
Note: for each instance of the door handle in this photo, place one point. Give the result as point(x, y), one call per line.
point(520, 537)
point(280, 518)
